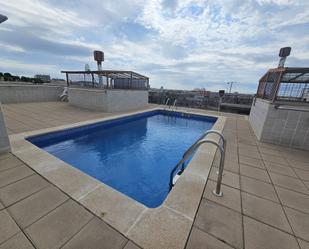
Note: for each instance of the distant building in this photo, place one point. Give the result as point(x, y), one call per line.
point(43, 77)
point(201, 98)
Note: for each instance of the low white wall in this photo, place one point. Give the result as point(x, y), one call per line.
point(283, 127)
point(125, 100)
point(258, 116)
point(4, 139)
point(113, 100)
point(29, 93)
point(88, 98)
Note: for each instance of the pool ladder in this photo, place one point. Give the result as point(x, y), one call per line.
point(166, 103)
point(166, 106)
point(180, 166)
point(174, 104)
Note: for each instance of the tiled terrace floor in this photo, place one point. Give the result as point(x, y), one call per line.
point(265, 203)
point(266, 196)
point(36, 214)
point(34, 116)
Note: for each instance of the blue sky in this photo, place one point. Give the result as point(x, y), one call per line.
point(179, 44)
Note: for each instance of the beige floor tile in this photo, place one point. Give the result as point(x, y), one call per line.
point(5, 155)
point(289, 183)
point(248, 147)
point(231, 157)
point(120, 211)
point(14, 174)
point(230, 166)
point(303, 244)
point(299, 164)
point(156, 229)
point(299, 222)
point(131, 245)
point(96, 234)
point(221, 222)
point(270, 152)
point(259, 188)
point(250, 153)
point(251, 161)
point(21, 189)
point(283, 170)
point(201, 240)
point(56, 228)
point(253, 172)
point(265, 211)
point(275, 159)
point(230, 198)
point(294, 199)
point(228, 178)
point(8, 227)
point(29, 210)
point(9, 162)
point(18, 241)
point(302, 174)
point(261, 236)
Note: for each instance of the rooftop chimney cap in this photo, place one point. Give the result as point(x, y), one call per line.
point(98, 56)
point(284, 52)
point(3, 18)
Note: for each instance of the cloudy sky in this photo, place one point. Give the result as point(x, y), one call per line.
point(180, 44)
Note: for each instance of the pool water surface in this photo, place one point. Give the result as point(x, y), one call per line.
point(133, 155)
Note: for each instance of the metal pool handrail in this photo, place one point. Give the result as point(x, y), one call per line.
point(174, 104)
point(167, 101)
point(192, 149)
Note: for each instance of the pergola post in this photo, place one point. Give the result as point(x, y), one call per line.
point(92, 79)
point(131, 80)
point(67, 78)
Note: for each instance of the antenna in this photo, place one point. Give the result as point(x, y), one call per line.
point(99, 57)
point(283, 53)
point(231, 85)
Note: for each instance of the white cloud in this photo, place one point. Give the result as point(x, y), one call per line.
point(184, 44)
point(26, 68)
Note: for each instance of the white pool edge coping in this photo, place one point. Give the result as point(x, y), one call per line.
point(167, 226)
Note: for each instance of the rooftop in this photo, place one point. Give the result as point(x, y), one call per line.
point(265, 202)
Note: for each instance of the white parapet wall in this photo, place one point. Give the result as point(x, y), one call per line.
point(29, 93)
point(93, 99)
point(108, 100)
point(4, 139)
point(280, 126)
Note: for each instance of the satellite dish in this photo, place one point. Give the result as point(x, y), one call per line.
point(3, 18)
point(87, 68)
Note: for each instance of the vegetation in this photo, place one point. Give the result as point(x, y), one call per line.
point(10, 77)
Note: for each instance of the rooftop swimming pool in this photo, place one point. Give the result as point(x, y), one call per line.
point(134, 155)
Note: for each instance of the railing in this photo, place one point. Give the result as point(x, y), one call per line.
point(166, 102)
point(285, 84)
point(174, 104)
point(180, 166)
point(291, 108)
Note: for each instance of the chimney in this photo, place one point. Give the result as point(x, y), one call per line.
point(283, 53)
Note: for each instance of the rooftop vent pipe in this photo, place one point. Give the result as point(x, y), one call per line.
point(283, 53)
point(99, 57)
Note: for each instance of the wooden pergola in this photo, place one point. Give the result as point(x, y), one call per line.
point(111, 76)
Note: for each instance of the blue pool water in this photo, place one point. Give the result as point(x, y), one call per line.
point(133, 155)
